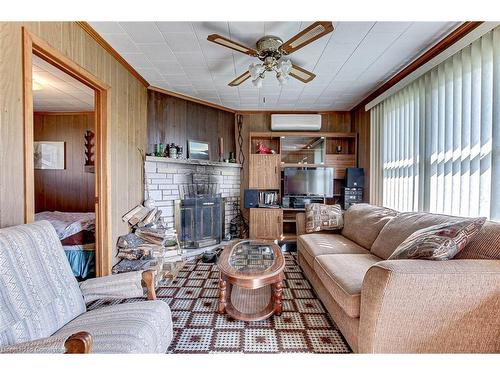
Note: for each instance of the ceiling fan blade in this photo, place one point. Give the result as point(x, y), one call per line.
point(240, 79)
point(306, 36)
point(216, 38)
point(301, 74)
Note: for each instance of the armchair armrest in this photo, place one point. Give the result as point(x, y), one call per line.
point(410, 306)
point(122, 285)
point(79, 343)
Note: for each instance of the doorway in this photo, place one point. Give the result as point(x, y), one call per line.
point(46, 189)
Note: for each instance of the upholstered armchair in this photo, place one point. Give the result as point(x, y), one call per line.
point(43, 308)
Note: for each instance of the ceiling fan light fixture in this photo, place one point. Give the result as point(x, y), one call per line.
point(257, 82)
point(282, 78)
point(285, 66)
point(255, 70)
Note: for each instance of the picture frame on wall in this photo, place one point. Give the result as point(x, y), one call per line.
point(49, 155)
point(199, 150)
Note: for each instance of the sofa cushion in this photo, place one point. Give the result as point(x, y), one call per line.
point(342, 275)
point(403, 226)
point(314, 244)
point(136, 327)
point(363, 222)
point(439, 242)
point(486, 245)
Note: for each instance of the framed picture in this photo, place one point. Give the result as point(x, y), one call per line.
point(198, 150)
point(49, 155)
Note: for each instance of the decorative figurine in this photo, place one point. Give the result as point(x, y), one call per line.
point(261, 149)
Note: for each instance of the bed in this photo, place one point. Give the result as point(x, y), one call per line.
point(76, 230)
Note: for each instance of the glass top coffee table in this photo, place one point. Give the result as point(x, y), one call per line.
point(250, 283)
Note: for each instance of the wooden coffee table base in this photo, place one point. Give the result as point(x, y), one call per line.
point(250, 304)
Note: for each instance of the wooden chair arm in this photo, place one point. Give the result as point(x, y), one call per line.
point(148, 278)
point(79, 343)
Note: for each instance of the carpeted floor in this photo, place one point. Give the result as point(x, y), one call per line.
point(303, 327)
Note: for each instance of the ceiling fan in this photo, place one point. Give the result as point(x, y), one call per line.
point(272, 51)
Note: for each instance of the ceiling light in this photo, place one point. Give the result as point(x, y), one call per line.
point(257, 82)
point(37, 86)
point(282, 68)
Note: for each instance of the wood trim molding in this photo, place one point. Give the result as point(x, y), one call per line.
point(42, 113)
point(457, 34)
point(100, 40)
point(32, 44)
point(191, 99)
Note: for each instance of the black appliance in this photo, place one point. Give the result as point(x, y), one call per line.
point(355, 177)
point(351, 195)
point(251, 198)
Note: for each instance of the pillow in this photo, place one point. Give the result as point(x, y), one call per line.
point(323, 217)
point(439, 242)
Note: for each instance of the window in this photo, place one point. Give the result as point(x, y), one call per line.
point(436, 142)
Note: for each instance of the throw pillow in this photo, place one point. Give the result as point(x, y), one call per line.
point(439, 242)
point(323, 217)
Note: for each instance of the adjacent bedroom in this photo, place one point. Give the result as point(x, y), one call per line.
point(64, 175)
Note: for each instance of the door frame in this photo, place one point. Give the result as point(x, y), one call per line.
point(34, 45)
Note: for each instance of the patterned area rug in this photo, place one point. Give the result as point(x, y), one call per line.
point(303, 327)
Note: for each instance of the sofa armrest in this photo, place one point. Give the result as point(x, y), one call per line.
point(300, 223)
point(410, 306)
point(122, 285)
point(78, 343)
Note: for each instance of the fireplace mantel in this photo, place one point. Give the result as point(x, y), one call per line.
point(192, 162)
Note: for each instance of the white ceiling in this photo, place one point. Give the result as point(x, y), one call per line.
point(349, 63)
point(60, 92)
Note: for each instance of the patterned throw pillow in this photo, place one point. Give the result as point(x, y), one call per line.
point(439, 242)
point(323, 217)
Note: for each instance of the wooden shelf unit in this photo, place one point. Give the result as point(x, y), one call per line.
point(338, 150)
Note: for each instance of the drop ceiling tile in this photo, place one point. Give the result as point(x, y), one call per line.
point(204, 29)
point(175, 79)
point(174, 27)
point(390, 27)
point(191, 58)
point(246, 33)
point(204, 84)
point(138, 60)
point(351, 61)
point(107, 27)
point(121, 42)
point(182, 42)
point(169, 67)
point(150, 74)
point(142, 32)
point(283, 30)
point(157, 51)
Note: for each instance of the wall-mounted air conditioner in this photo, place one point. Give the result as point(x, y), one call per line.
point(295, 122)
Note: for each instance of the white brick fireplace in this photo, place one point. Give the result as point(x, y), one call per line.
point(164, 175)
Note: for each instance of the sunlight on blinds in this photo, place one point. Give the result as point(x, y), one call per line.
point(439, 137)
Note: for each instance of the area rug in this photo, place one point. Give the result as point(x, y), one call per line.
point(303, 327)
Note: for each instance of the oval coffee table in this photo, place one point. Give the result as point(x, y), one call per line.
point(250, 282)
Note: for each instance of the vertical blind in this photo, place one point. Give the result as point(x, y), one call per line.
point(436, 142)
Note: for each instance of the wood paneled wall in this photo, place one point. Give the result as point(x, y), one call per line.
point(70, 189)
point(176, 120)
point(339, 121)
point(127, 113)
point(361, 125)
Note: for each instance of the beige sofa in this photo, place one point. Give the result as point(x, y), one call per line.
point(404, 306)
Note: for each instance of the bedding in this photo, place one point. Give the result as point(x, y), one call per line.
point(81, 258)
point(68, 223)
point(76, 231)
